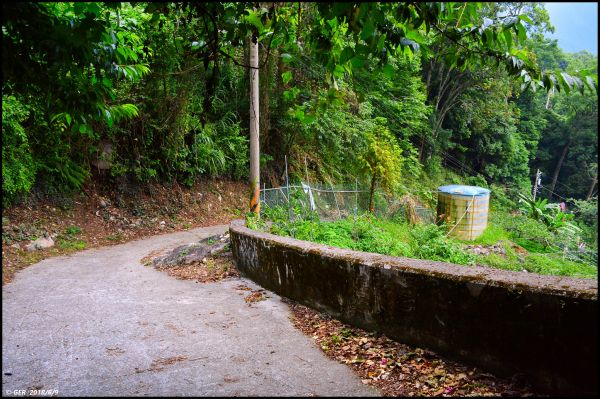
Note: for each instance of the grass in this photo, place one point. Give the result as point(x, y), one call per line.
point(537, 258)
point(73, 230)
point(76, 245)
point(492, 234)
point(524, 245)
point(401, 231)
point(554, 264)
point(533, 246)
point(69, 241)
point(548, 264)
point(370, 234)
point(540, 258)
point(115, 237)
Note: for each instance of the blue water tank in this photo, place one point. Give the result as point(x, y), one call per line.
point(470, 191)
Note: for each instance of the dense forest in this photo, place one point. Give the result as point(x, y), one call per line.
point(423, 176)
point(435, 93)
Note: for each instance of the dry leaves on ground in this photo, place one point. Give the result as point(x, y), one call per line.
point(256, 296)
point(398, 369)
point(160, 364)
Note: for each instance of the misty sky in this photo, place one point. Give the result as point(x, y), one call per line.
point(576, 26)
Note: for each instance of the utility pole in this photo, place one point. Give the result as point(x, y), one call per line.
point(254, 128)
point(537, 183)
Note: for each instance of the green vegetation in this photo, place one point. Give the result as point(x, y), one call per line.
point(115, 237)
point(18, 168)
point(395, 97)
point(69, 240)
point(73, 230)
point(382, 159)
point(550, 214)
point(389, 94)
point(516, 241)
point(72, 244)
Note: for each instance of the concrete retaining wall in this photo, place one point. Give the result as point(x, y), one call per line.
point(545, 327)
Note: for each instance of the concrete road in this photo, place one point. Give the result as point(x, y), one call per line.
point(98, 323)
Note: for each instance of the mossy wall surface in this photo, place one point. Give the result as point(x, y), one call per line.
point(545, 327)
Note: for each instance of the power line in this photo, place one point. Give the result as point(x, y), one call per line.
point(550, 191)
point(472, 170)
point(564, 185)
point(466, 167)
point(463, 167)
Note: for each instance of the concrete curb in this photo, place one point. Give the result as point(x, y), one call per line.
point(507, 322)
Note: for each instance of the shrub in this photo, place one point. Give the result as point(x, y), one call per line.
point(550, 214)
point(430, 242)
point(18, 166)
point(586, 212)
point(478, 181)
point(500, 198)
point(531, 234)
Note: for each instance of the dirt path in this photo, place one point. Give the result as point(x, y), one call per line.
point(99, 323)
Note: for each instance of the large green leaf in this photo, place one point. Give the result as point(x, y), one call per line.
point(286, 76)
point(254, 19)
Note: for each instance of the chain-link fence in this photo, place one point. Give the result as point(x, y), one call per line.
point(331, 202)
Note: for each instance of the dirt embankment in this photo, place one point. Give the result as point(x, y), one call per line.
point(97, 218)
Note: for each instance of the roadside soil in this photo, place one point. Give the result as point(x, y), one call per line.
point(398, 369)
point(98, 218)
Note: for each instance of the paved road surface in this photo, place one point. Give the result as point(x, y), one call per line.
point(100, 323)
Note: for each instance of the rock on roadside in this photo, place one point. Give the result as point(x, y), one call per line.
point(195, 252)
point(40, 243)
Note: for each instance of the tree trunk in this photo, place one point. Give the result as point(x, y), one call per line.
point(558, 166)
point(372, 194)
point(594, 182)
point(254, 128)
point(550, 92)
